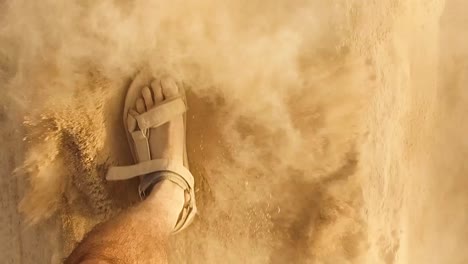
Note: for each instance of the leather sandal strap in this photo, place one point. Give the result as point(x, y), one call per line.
point(158, 170)
point(117, 173)
point(161, 114)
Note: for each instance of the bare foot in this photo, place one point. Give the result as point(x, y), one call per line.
point(166, 142)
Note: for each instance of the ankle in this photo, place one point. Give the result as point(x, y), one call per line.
point(169, 197)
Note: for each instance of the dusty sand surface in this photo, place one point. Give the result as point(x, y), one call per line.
point(319, 131)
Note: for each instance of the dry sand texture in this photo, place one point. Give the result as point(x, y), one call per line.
point(319, 131)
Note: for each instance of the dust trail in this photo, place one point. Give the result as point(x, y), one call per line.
point(291, 123)
point(278, 72)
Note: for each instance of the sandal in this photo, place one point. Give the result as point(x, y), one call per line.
point(152, 171)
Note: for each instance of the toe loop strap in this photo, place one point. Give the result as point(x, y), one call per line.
point(162, 113)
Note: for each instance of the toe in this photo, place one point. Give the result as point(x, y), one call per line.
point(157, 91)
point(147, 97)
point(140, 105)
point(169, 88)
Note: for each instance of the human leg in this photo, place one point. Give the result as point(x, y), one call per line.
point(138, 235)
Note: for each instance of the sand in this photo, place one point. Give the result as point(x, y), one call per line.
point(318, 131)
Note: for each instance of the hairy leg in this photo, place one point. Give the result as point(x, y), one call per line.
point(138, 235)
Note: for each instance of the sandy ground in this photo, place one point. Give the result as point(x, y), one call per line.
point(318, 132)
